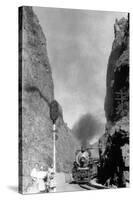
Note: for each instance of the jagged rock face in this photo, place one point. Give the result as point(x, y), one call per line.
point(115, 143)
point(117, 90)
point(36, 93)
point(36, 67)
point(66, 147)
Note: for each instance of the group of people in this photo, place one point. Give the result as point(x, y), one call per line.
point(43, 180)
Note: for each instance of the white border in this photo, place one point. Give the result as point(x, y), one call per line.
point(8, 100)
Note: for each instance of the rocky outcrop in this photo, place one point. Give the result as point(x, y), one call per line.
point(114, 145)
point(36, 91)
point(117, 89)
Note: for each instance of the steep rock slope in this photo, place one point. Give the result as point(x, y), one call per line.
point(115, 143)
point(117, 90)
point(36, 91)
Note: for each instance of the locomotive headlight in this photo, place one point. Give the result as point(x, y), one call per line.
point(82, 159)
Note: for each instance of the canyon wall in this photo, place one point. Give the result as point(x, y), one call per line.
point(115, 142)
point(36, 92)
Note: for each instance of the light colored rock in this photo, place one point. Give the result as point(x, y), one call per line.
point(36, 139)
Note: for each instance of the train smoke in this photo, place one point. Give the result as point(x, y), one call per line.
point(86, 128)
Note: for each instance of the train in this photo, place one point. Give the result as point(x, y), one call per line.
point(84, 167)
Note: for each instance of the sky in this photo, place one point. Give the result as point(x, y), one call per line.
point(79, 43)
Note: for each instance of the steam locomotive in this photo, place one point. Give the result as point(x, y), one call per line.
point(84, 166)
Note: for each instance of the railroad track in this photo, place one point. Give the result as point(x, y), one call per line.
point(90, 186)
point(84, 185)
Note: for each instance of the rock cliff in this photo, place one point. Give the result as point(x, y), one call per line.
point(36, 91)
point(114, 145)
point(117, 89)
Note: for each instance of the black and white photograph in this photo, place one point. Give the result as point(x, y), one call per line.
point(73, 99)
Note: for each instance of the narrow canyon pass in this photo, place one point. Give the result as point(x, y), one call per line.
point(74, 67)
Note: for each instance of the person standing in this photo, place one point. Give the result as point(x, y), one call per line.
point(34, 178)
point(42, 179)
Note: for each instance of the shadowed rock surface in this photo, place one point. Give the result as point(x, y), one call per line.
point(118, 74)
point(115, 143)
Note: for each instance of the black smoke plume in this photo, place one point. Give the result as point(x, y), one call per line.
point(86, 128)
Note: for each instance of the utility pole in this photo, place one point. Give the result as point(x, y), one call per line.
point(54, 113)
point(54, 148)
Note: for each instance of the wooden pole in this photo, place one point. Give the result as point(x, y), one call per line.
point(54, 149)
point(54, 154)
